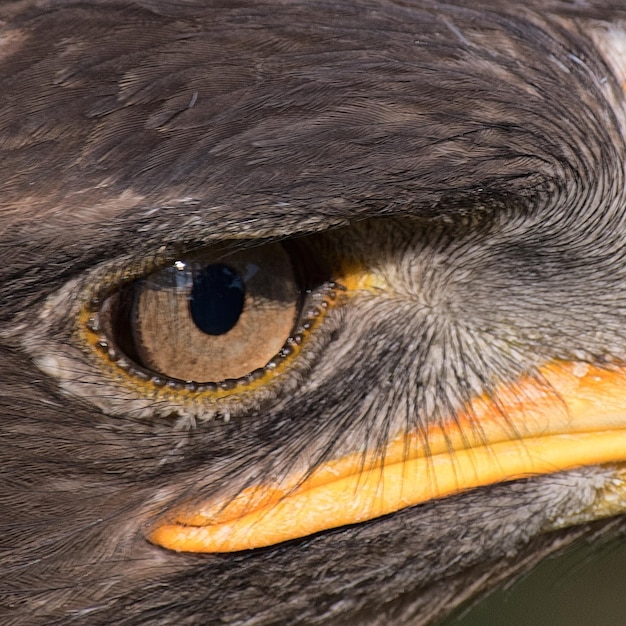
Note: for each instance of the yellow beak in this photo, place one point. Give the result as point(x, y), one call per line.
point(572, 415)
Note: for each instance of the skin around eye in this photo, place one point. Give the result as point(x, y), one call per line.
point(202, 333)
point(208, 319)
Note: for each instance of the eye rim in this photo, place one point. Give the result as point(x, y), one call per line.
point(214, 398)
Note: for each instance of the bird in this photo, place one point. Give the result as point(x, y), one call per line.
point(312, 312)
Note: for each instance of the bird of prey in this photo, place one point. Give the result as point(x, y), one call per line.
point(312, 311)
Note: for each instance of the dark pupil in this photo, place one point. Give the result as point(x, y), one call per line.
point(216, 299)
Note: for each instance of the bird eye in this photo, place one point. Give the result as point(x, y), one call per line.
point(206, 327)
point(206, 318)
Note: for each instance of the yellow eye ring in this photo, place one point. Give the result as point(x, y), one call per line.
point(94, 335)
point(97, 331)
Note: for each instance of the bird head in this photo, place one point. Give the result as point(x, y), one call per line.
point(312, 312)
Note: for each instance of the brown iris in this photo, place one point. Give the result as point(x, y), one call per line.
point(209, 318)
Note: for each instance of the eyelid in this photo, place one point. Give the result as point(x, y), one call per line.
point(89, 364)
point(91, 332)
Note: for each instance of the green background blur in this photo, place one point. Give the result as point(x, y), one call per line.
point(584, 587)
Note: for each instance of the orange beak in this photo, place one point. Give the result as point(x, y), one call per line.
point(575, 417)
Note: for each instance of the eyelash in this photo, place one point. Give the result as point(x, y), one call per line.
point(172, 397)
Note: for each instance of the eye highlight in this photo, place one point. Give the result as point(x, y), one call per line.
point(209, 319)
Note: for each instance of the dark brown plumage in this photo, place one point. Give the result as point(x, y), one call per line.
point(476, 149)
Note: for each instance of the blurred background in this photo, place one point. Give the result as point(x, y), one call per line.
point(585, 586)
